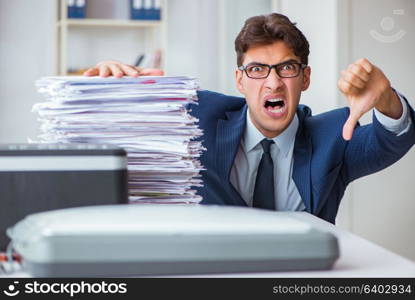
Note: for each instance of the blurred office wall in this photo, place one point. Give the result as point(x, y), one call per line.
point(26, 53)
point(383, 203)
point(192, 43)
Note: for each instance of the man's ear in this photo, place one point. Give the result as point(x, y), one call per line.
point(238, 81)
point(306, 78)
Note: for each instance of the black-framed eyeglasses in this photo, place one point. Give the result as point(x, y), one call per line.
point(287, 69)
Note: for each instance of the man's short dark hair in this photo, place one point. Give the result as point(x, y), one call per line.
point(267, 29)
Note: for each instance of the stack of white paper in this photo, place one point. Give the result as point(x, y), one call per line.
point(144, 115)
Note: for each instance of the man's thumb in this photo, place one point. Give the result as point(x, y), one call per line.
point(350, 124)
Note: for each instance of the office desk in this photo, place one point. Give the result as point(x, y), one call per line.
point(358, 258)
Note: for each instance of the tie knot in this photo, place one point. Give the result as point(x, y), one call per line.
point(266, 145)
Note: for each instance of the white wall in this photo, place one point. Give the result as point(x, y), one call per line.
point(192, 40)
point(26, 53)
point(384, 202)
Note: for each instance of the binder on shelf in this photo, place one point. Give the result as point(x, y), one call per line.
point(76, 9)
point(137, 10)
point(148, 9)
point(156, 10)
point(145, 9)
point(81, 8)
point(71, 8)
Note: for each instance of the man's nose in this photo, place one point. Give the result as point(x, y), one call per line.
point(273, 81)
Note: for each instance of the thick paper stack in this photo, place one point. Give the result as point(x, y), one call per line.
point(147, 116)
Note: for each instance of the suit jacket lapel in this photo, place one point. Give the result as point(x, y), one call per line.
point(228, 136)
point(302, 160)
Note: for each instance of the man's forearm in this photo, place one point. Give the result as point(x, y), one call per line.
point(390, 105)
point(397, 126)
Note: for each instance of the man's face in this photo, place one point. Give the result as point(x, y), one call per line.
point(263, 94)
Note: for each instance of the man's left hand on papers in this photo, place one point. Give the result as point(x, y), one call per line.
point(118, 69)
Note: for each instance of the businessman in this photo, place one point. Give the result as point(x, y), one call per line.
point(266, 150)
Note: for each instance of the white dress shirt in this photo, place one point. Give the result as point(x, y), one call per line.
point(287, 197)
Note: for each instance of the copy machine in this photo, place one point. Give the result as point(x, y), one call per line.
point(154, 239)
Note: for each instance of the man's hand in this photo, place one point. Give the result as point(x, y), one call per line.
point(365, 87)
point(118, 69)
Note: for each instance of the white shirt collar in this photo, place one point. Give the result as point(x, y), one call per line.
point(284, 141)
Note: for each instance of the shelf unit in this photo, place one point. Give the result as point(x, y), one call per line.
point(107, 23)
point(154, 31)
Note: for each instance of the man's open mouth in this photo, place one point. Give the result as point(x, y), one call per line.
point(274, 105)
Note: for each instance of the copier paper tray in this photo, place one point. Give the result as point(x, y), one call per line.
point(154, 239)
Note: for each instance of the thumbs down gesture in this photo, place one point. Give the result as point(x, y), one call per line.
point(366, 87)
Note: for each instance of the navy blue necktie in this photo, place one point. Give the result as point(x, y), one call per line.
point(264, 184)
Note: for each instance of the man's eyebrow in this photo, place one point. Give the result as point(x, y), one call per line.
point(291, 60)
point(256, 63)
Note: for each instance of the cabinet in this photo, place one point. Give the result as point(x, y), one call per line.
point(105, 33)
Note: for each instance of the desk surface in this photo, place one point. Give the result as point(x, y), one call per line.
point(358, 258)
